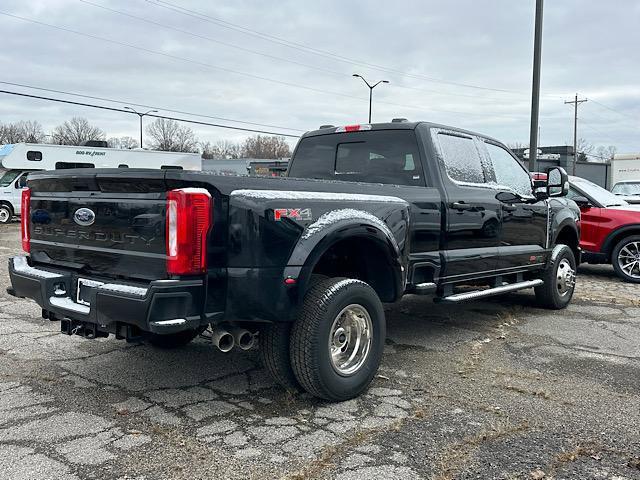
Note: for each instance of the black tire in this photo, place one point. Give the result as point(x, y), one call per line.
point(5, 213)
point(550, 294)
point(311, 332)
point(274, 353)
point(173, 340)
point(615, 261)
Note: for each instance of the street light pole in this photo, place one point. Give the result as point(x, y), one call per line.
point(535, 89)
point(371, 87)
point(141, 115)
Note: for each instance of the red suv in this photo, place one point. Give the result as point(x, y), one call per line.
point(610, 228)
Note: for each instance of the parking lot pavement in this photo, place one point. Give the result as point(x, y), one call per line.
point(497, 389)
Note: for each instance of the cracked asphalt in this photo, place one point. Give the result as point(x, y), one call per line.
point(494, 389)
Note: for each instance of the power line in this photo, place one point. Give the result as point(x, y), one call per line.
point(267, 55)
point(315, 51)
point(216, 67)
point(126, 102)
point(613, 109)
point(173, 57)
point(210, 39)
point(590, 125)
point(121, 110)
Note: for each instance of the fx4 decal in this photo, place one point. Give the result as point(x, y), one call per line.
point(292, 213)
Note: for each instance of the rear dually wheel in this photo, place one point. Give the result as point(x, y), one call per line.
point(338, 339)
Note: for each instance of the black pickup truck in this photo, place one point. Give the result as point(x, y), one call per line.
point(366, 214)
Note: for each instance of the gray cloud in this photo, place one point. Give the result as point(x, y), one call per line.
point(589, 47)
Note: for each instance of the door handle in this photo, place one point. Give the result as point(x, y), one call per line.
point(461, 206)
point(509, 208)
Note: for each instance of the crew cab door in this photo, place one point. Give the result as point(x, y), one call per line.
point(523, 238)
point(473, 214)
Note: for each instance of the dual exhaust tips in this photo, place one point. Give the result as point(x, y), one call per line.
point(227, 338)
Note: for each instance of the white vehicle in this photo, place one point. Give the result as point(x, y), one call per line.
point(629, 190)
point(625, 167)
point(22, 158)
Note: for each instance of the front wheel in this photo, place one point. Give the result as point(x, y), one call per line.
point(5, 214)
point(338, 339)
point(625, 258)
point(559, 279)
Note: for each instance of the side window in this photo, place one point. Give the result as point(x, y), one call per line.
point(461, 158)
point(34, 156)
point(508, 170)
point(314, 158)
point(22, 181)
point(65, 165)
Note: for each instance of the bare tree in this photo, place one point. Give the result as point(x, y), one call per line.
point(31, 131)
point(125, 142)
point(266, 147)
point(604, 154)
point(226, 149)
point(584, 149)
point(23, 131)
point(9, 133)
point(76, 131)
point(170, 136)
point(207, 150)
point(221, 150)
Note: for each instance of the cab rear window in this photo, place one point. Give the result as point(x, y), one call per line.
point(378, 156)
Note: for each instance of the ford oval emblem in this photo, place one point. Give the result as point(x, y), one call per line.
point(84, 217)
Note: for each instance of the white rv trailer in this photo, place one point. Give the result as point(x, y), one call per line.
point(22, 158)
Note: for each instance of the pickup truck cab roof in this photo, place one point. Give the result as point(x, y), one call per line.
point(392, 126)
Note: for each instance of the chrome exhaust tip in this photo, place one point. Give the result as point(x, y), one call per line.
point(243, 338)
point(222, 339)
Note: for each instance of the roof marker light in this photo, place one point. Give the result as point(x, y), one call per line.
point(353, 128)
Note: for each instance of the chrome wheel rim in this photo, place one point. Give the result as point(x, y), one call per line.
point(4, 215)
point(565, 277)
point(629, 259)
point(350, 339)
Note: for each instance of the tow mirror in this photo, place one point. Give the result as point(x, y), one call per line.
point(581, 201)
point(557, 182)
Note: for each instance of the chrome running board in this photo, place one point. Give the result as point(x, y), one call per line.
point(462, 297)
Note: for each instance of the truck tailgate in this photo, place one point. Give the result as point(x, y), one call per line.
point(110, 224)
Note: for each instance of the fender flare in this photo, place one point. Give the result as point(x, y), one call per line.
point(335, 226)
point(608, 244)
point(565, 223)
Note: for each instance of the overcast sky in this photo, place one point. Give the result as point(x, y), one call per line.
point(289, 63)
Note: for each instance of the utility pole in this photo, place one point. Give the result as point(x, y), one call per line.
point(371, 87)
point(535, 88)
point(141, 115)
point(575, 103)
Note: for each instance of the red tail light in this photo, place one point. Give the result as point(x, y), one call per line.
point(188, 223)
point(24, 219)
